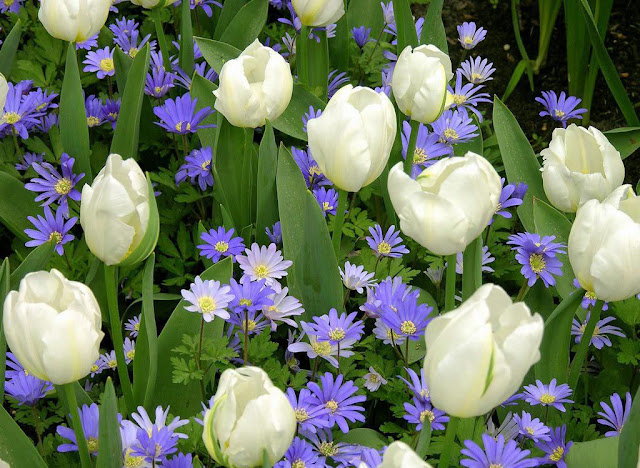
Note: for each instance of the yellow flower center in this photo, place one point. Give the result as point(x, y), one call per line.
point(132, 462)
point(113, 115)
point(92, 442)
point(8, 3)
point(475, 76)
point(451, 134)
point(273, 309)
point(250, 325)
point(558, 113)
point(11, 117)
point(106, 65)
point(113, 364)
point(321, 348)
point(332, 405)
point(187, 127)
point(496, 465)
point(373, 378)
point(95, 368)
point(261, 271)
point(419, 156)
point(131, 354)
point(136, 327)
point(314, 170)
point(547, 398)
point(337, 334)
point(468, 39)
point(133, 52)
point(327, 449)
point(424, 393)
point(591, 295)
point(221, 246)
point(93, 121)
point(205, 165)
point(459, 98)
point(158, 89)
point(408, 327)
point(384, 248)
point(301, 414)
point(392, 335)
point(537, 263)
point(326, 206)
point(530, 430)
point(55, 237)
point(63, 186)
point(557, 454)
point(299, 463)
point(427, 414)
point(207, 304)
point(245, 302)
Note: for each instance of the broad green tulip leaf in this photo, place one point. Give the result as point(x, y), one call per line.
point(186, 39)
point(550, 222)
point(626, 140)
point(37, 260)
point(201, 229)
point(314, 277)
point(424, 440)
point(363, 436)
point(202, 89)
point(267, 201)
point(216, 53)
point(110, 453)
point(246, 25)
point(74, 131)
point(16, 448)
point(4, 290)
point(519, 160)
point(472, 268)
point(16, 202)
point(405, 26)
point(145, 365)
point(125, 137)
point(9, 49)
point(229, 10)
point(599, 453)
point(433, 30)
point(122, 64)
point(184, 399)
point(314, 57)
point(290, 122)
point(365, 13)
point(339, 46)
point(630, 437)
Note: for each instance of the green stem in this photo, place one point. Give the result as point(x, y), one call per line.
point(162, 39)
point(339, 220)
point(583, 346)
point(450, 284)
point(411, 148)
point(471, 268)
point(245, 355)
point(198, 363)
point(301, 55)
point(449, 442)
point(111, 286)
point(17, 145)
point(524, 289)
point(66, 391)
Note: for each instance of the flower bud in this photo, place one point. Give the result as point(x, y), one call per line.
point(479, 353)
point(351, 141)
point(318, 12)
point(52, 325)
point(73, 20)
point(400, 455)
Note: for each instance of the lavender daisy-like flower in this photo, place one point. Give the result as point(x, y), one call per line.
point(418, 385)
point(111, 111)
point(409, 319)
point(470, 35)
point(22, 386)
point(283, 307)
point(311, 114)
point(616, 415)
point(548, 395)
point(144, 422)
point(43, 100)
point(19, 113)
point(355, 278)
point(129, 350)
point(385, 88)
point(250, 321)
point(337, 80)
point(203, 4)
point(361, 35)
point(250, 296)
point(180, 115)
point(486, 260)
point(197, 166)
point(327, 199)
point(208, 298)
point(11, 6)
point(455, 126)
point(339, 398)
point(511, 195)
point(373, 380)
point(589, 300)
point(220, 243)
point(495, 452)
point(477, 70)
point(275, 234)
point(538, 257)
point(387, 245)
point(50, 228)
point(301, 454)
point(93, 107)
point(56, 187)
point(263, 263)
point(107, 361)
point(313, 177)
point(386, 334)
point(388, 293)
point(465, 95)
point(130, 42)
point(323, 441)
point(133, 326)
point(508, 428)
point(422, 410)
point(599, 338)
point(562, 108)
point(27, 160)
point(154, 446)
point(159, 82)
point(323, 349)
point(100, 62)
point(428, 150)
point(179, 461)
point(531, 428)
point(310, 414)
point(335, 328)
point(555, 449)
point(89, 420)
point(89, 44)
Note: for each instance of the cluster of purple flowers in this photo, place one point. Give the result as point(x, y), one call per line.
point(420, 408)
point(26, 110)
point(23, 387)
point(538, 257)
point(107, 360)
point(99, 112)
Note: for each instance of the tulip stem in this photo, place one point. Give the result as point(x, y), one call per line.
point(449, 442)
point(411, 148)
point(162, 39)
point(69, 395)
point(338, 220)
point(246, 339)
point(578, 360)
point(450, 284)
point(111, 286)
point(524, 289)
point(198, 362)
point(301, 55)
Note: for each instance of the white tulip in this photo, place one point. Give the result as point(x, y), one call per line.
point(449, 204)
point(604, 246)
point(4, 90)
point(580, 165)
point(250, 416)
point(351, 141)
point(318, 12)
point(254, 87)
point(419, 82)
point(73, 20)
point(52, 325)
point(479, 353)
point(153, 3)
point(115, 212)
point(400, 455)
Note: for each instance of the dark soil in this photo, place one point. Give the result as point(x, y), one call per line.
point(500, 48)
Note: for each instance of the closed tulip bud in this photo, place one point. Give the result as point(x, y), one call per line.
point(479, 353)
point(400, 455)
point(250, 416)
point(604, 246)
point(73, 20)
point(419, 82)
point(118, 213)
point(449, 204)
point(153, 3)
point(254, 87)
point(580, 165)
point(52, 325)
point(351, 141)
point(318, 12)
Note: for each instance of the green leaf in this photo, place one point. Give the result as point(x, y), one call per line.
point(626, 140)
point(125, 137)
point(599, 453)
point(472, 268)
point(339, 46)
point(515, 22)
point(314, 277)
point(290, 121)
point(122, 64)
point(4, 290)
point(16, 448)
point(405, 26)
point(519, 160)
point(267, 208)
point(314, 57)
point(550, 222)
point(246, 25)
point(186, 39)
point(110, 453)
point(145, 364)
point(365, 13)
point(216, 53)
point(16, 202)
point(74, 131)
point(630, 437)
point(38, 259)
point(184, 399)
point(515, 78)
point(9, 49)
point(229, 11)
point(202, 89)
point(433, 30)
point(424, 440)
point(363, 436)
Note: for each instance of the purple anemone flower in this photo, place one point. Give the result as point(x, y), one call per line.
point(562, 108)
point(616, 415)
point(455, 126)
point(100, 62)
point(531, 428)
point(50, 228)
point(336, 80)
point(93, 108)
point(538, 257)
point(89, 419)
point(301, 454)
point(388, 244)
point(159, 82)
point(220, 243)
point(275, 234)
point(511, 195)
point(429, 148)
point(548, 395)
point(418, 385)
point(407, 318)
point(422, 410)
point(197, 166)
point(466, 96)
point(154, 446)
point(361, 35)
point(111, 111)
point(312, 114)
point(180, 115)
point(27, 160)
point(312, 174)
point(335, 328)
point(496, 452)
point(339, 398)
point(470, 35)
point(250, 296)
point(477, 70)
point(327, 199)
point(555, 449)
point(486, 260)
point(388, 293)
point(310, 414)
point(599, 339)
point(19, 114)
